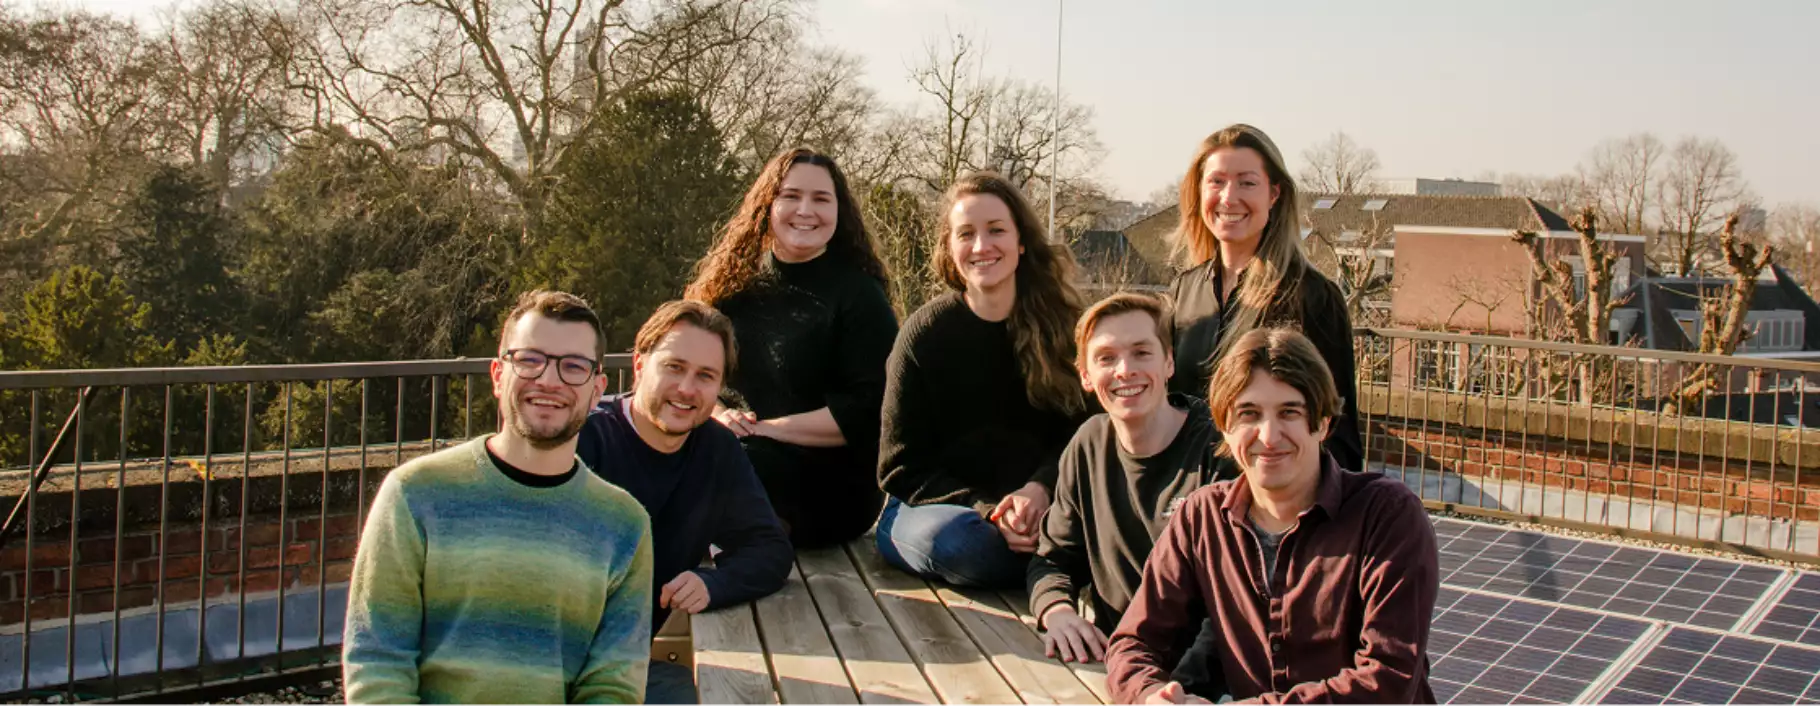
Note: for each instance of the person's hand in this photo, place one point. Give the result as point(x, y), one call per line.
point(741, 422)
point(687, 593)
point(1021, 513)
point(1173, 693)
point(1068, 635)
point(1017, 541)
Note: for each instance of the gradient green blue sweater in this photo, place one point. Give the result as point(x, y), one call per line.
point(471, 587)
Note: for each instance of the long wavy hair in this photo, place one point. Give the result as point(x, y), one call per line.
point(735, 260)
point(1047, 304)
point(1272, 288)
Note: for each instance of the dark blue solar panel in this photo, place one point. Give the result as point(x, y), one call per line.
point(1694, 666)
point(1796, 617)
point(1490, 649)
point(1666, 586)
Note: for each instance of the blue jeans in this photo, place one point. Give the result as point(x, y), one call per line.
point(948, 542)
point(670, 683)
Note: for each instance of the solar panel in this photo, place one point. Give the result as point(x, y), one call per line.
point(1485, 648)
point(1796, 616)
point(1697, 666)
point(1646, 583)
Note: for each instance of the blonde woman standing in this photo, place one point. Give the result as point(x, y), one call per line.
point(1241, 232)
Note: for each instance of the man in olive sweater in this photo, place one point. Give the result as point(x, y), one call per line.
point(1121, 477)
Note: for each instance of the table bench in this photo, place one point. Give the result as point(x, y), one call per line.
point(848, 628)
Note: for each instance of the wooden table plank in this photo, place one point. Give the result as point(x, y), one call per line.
point(878, 664)
point(730, 664)
point(673, 642)
point(802, 656)
point(954, 665)
point(1015, 650)
point(1092, 674)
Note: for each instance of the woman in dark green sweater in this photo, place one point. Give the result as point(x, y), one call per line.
point(981, 395)
point(801, 279)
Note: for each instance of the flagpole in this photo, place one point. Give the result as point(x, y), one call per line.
point(1055, 122)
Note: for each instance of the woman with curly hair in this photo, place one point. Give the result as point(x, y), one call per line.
point(981, 394)
point(799, 275)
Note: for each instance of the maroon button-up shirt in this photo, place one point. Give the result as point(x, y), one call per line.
point(1344, 619)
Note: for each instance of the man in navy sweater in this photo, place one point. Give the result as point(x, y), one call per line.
point(693, 478)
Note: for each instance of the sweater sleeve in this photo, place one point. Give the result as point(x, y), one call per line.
point(620, 654)
point(1168, 606)
point(1399, 579)
point(755, 554)
point(867, 329)
point(907, 438)
point(1060, 565)
point(385, 604)
point(1330, 329)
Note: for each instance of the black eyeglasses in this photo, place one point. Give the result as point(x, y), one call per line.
point(529, 363)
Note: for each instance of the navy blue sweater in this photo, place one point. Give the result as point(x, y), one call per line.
point(704, 493)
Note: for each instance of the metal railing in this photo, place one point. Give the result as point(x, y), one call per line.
point(184, 532)
point(217, 509)
point(1713, 451)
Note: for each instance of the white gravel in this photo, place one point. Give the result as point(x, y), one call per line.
point(326, 692)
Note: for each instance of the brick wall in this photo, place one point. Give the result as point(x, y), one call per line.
point(1732, 485)
point(291, 551)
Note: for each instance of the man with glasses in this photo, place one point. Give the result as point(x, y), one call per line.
point(692, 477)
point(501, 571)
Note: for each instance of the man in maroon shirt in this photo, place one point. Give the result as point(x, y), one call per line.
point(1321, 582)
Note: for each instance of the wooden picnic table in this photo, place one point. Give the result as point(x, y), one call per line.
point(848, 628)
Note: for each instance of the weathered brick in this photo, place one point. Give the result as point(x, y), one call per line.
point(50, 608)
point(183, 541)
point(258, 534)
point(175, 567)
point(99, 576)
point(47, 581)
point(342, 548)
point(103, 601)
point(44, 552)
point(337, 526)
point(261, 581)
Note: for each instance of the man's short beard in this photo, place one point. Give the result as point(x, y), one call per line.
point(545, 442)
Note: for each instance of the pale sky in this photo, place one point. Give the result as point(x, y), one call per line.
point(1439, 88)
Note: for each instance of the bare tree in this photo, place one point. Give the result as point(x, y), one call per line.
point(1006, 126)
point(1622, 177)
point(1723, 317)
point(1339, 166)
point(777, 91)
point(1164, 196)
point(1488, 296)
point(507, 86)
point(953, 141)
point(1351, 259)
point(1701, 184)
point(1793, 230)
point(1563, 193)
point(220, 86)
point(76, 109)
point(1587, 316)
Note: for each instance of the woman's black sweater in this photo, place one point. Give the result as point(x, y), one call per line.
point(811, 335)
point(1200, 322)
point(958, 428)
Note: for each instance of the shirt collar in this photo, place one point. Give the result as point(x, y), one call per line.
point(1326, 495)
